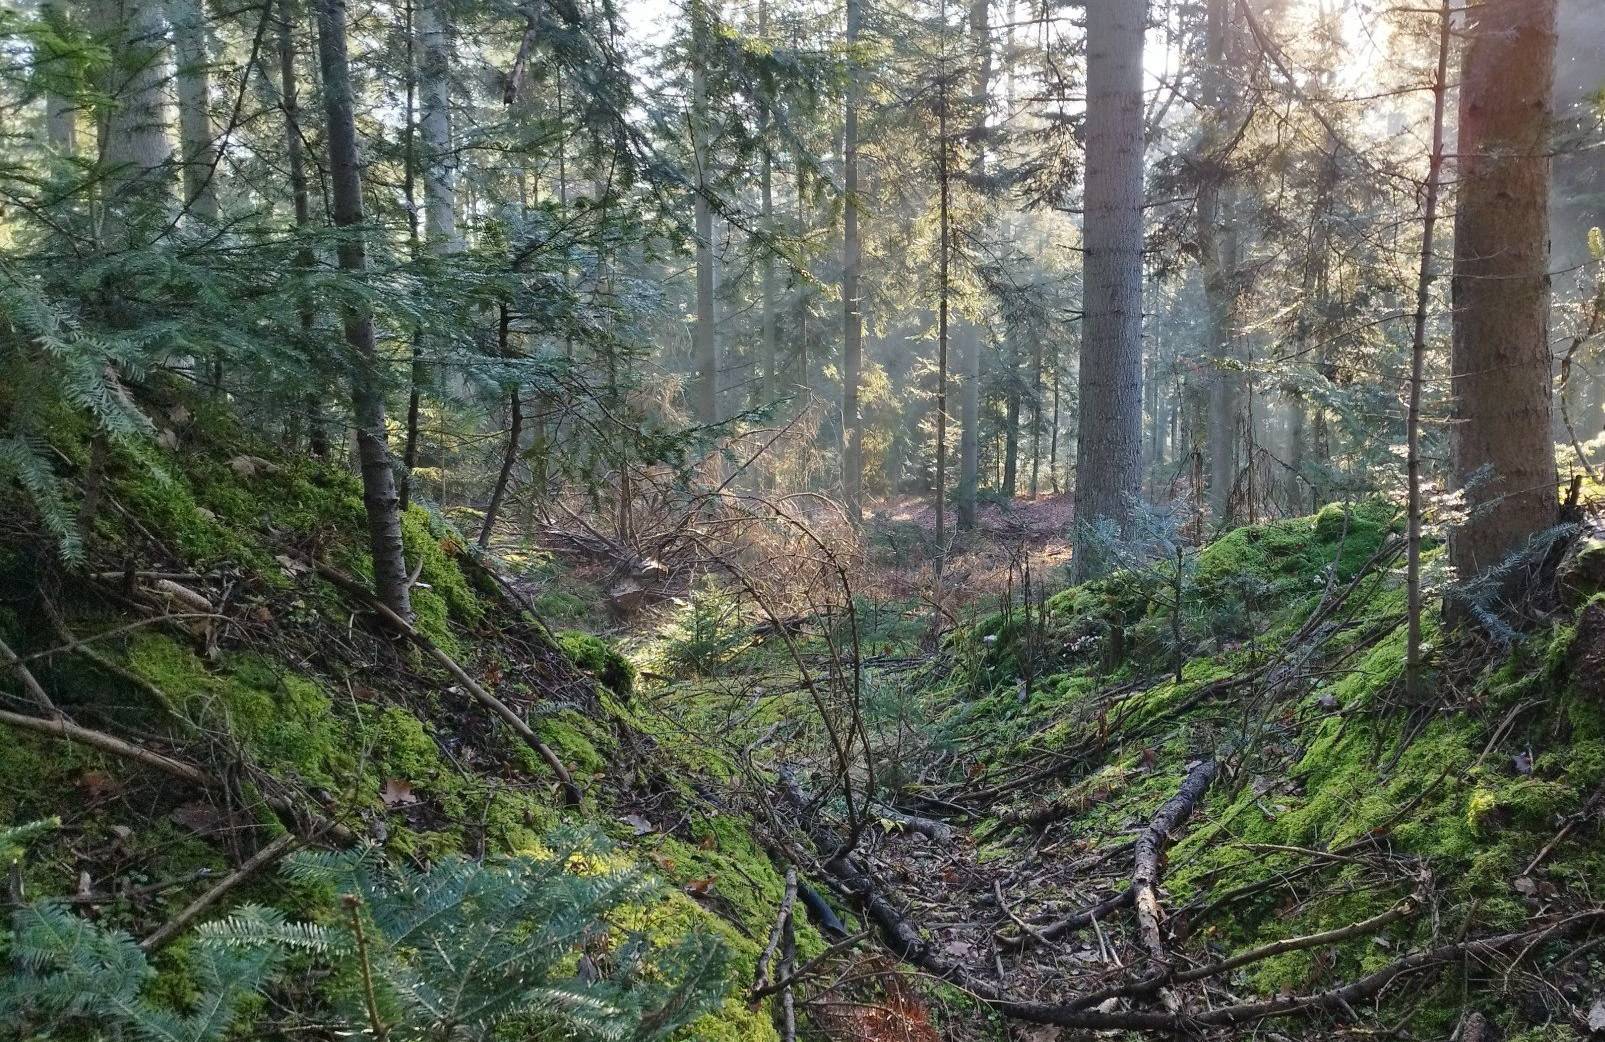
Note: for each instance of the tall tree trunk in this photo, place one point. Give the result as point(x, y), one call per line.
point(707, 345)
point(1218, 246)
point(301, 199)
point(1110, 412)
point(61, 108)
point(970, 334)
point(1504, 456)
point(944, 217)
point(1418, 363)
point(133, 121)
point(379, 496)
point(769, 385)
point(434, 128)
point(194, 79)
point(852, 261)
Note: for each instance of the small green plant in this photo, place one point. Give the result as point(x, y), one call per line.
point(521, 948)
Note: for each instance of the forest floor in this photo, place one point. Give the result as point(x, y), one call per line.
point(1065, 835)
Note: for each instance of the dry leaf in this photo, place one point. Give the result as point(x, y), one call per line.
point(638, 823)
point(397, 792)
point(197, 816)
point(700, 887)
point(1596, 1017)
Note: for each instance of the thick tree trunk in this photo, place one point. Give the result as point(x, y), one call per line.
point(852, 261)
point(379, 496)
point(1503, 451)
point(1110, 419)
point(1218, 247)
point(194, 80)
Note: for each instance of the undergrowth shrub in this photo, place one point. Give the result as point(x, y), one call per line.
point(478, 950)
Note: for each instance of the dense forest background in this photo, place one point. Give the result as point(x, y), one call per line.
point(742, 520)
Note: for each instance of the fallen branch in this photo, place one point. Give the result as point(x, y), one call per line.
point(30, 683)
point(1145, 877)
point(571, 791)
point(766, 957)
point(65, 730)
point(1149, 868)
point(190, 912)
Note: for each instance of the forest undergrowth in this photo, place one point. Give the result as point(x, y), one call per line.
point(1186, 801)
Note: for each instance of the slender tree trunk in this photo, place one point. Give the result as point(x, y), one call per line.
point(1504, 457)
point(852, 261)
point(434, 128)
point(970, 334)
point(61, 109)
point(194, 80)
point(1110, 411)
point(301, 199)
point(416, 375)
point(515, 431)
point(943, 187)
point(1418, 362)
point(769, 385)
point(707, 344)
point(367, 394)
point(133, 121)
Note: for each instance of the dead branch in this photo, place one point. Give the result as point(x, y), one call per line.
point(65, 730)
point(1149, 868)
point(30, 683)
point(1145, 876)
point(766, 958)
point(190, 912)
point(571, 791)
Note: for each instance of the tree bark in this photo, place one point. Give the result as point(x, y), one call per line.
point(1110, 415)
point(707, 345)
point(379, 496)
point(1503, 456)
point(769, 386)
point(301, 200)
point(852, 261)
point(1218, 248)
point(434, 128)
point(970, 334)
point(134, 146)
point(194, 81)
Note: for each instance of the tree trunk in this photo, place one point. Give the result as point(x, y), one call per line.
point(379, 496)
point(943, 185)
point(1218, 244)
point(769, 386)
point(194, 81)
point(707, 346)
point(434, 128)
point(61, 109)
point(852, 260)
point(1503, 453)
point(1418, 362)
point(1110, 414)
point(134, 147)
point(970, 335)
point(301, 199)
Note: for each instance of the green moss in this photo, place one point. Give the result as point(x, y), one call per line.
point(574, 739)
point(600, 659)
